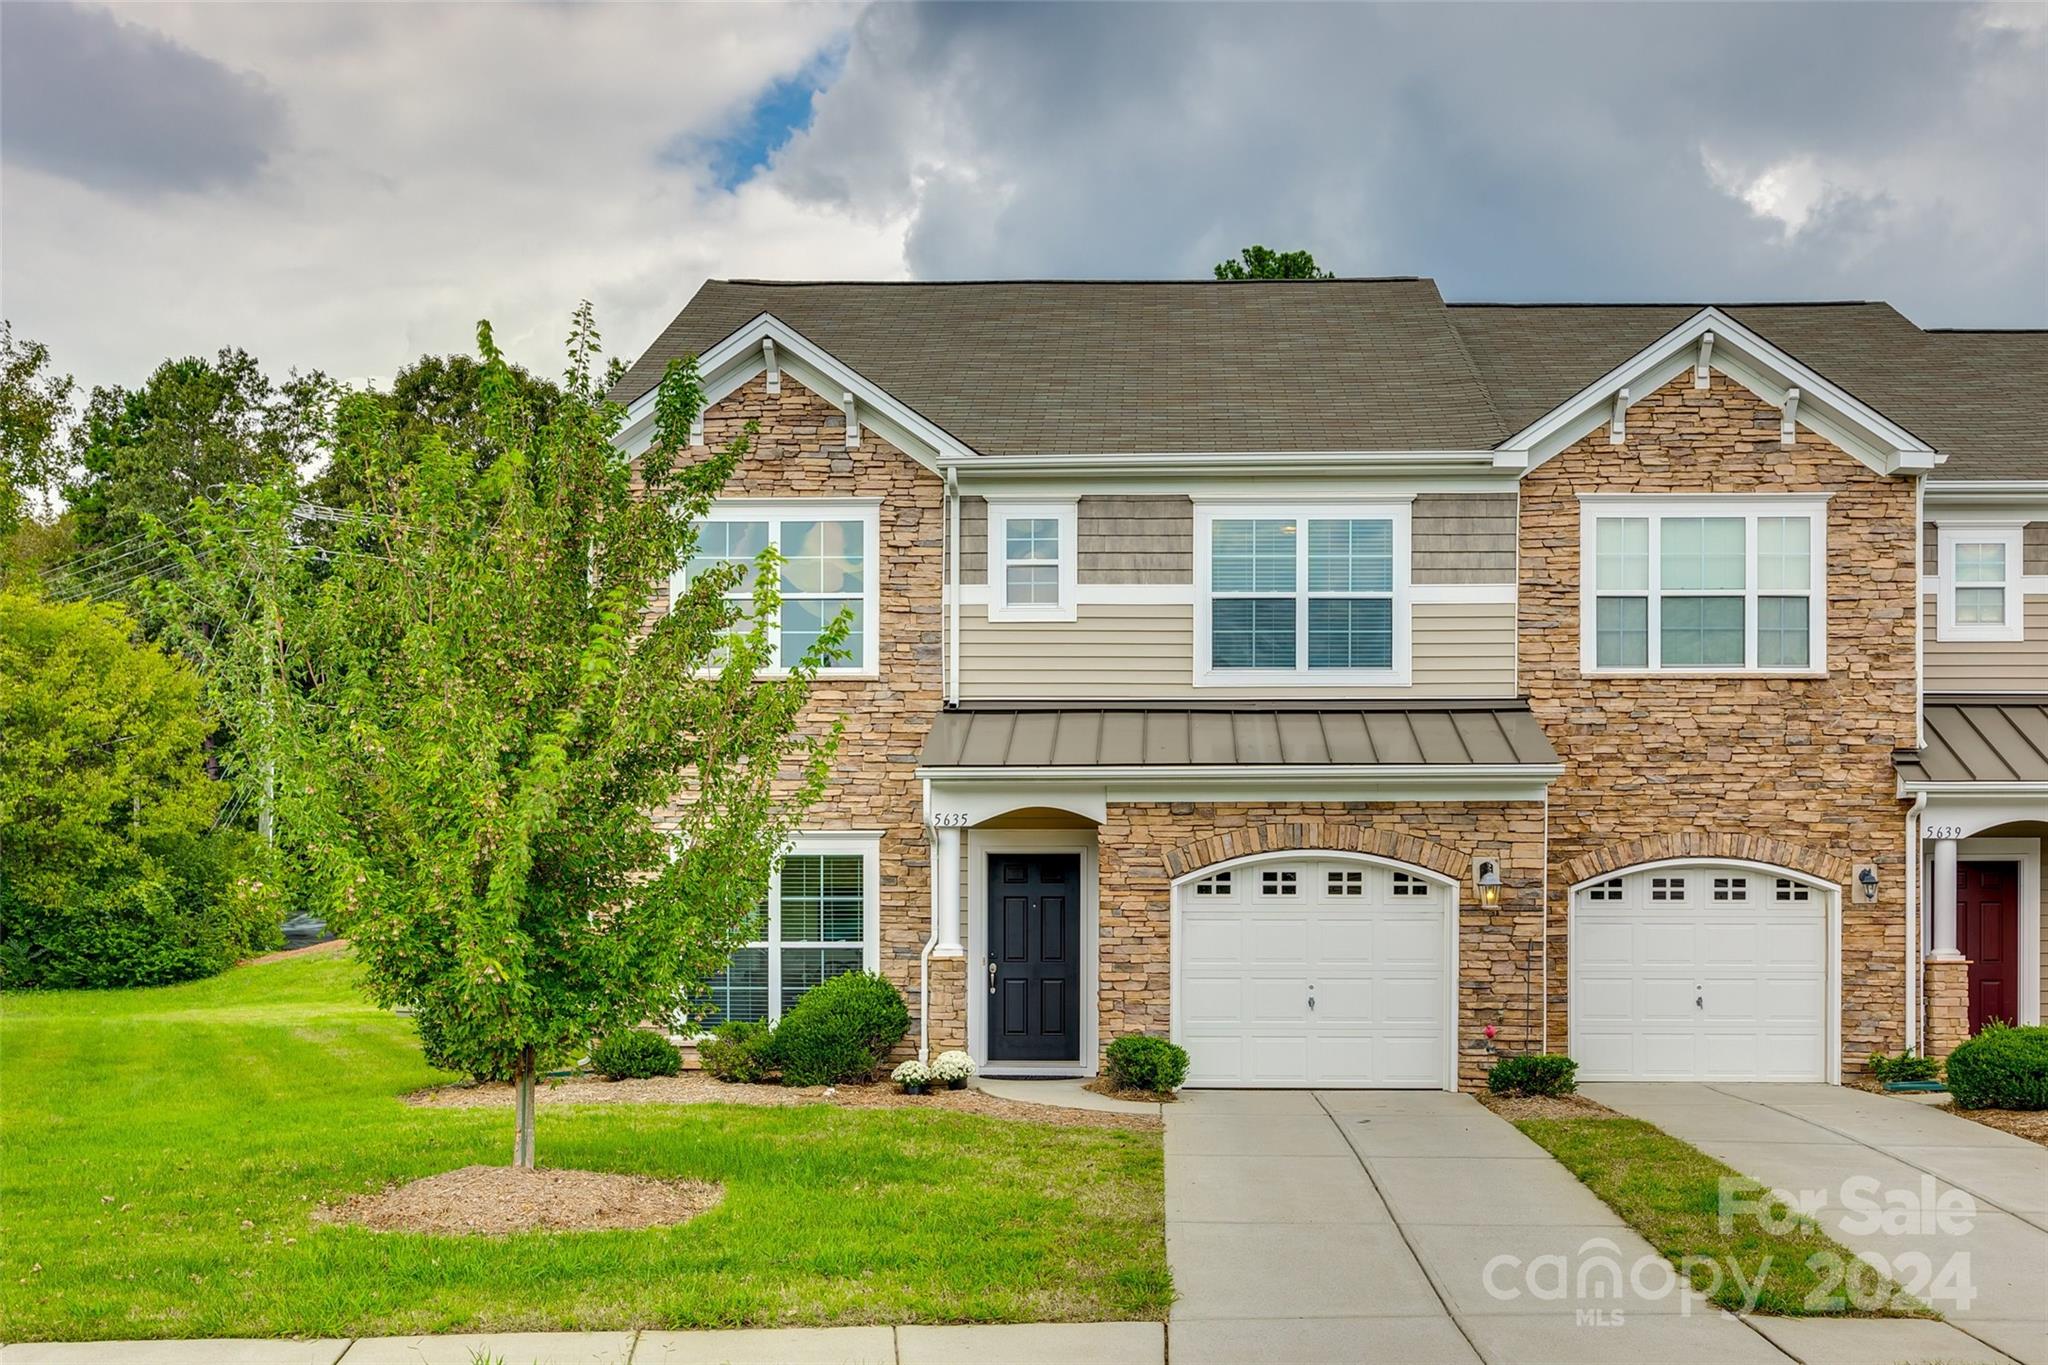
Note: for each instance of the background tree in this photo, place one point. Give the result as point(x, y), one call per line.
point(1264, 263)
point(194, 428)
point(35, 405)
point(434, 397)
point(538, 816)
point(113, 871)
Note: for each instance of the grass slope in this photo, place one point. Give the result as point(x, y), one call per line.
point(161, 1151)
point(1670, 1192)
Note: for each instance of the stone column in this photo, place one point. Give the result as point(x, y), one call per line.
point(1948, 1004)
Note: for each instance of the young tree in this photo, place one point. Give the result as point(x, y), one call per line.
point(539, 815)
point(1264, 263)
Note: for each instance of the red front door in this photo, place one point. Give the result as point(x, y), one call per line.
point(1988, 933)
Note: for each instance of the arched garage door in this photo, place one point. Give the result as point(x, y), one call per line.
point(1329, 972)
point(1701, 972)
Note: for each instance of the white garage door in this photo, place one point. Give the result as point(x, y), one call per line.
point(1700, 973)
point(1319, 972)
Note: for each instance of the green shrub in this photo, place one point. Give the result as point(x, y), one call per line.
point(112, 872)
point(2001, 1068)
point(1541, 1073)
point(634, 1055)
point(1904, 1066)
point(840, 1031)
point(737, 1051)
point(1142, 1062)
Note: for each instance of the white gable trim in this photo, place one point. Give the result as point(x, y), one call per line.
point(1739, 353)
point(768, 342)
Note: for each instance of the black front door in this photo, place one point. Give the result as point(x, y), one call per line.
point(1034, 960)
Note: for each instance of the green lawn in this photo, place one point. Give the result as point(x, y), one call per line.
point(161, 1151)
point(1670, 1192)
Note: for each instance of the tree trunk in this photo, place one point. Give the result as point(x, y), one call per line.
point(522, 1141)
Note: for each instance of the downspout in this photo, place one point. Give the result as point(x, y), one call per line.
point(1546, 916)
point(1919, 614)
point(1913, 1039)
point(951, 689)
point(924, 958)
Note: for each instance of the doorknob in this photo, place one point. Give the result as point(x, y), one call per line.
point(991, 976)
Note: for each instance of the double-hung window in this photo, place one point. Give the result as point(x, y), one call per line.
point(1704, 584)
point(1302, 595)
point(1980, 588)
point(829, 552)
point(817, 921)
point(1031, 561)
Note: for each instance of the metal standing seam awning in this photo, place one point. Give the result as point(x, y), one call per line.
point(1450, 737)
point(1991, 740)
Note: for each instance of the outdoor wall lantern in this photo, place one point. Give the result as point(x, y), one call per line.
point(1486, 875)
point(1866, 880)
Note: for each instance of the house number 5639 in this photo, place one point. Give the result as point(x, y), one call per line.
point(1944, 831)
point(949, 819)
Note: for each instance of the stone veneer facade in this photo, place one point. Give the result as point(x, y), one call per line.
point(1790, 770)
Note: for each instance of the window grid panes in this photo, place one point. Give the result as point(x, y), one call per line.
point(1031, 561)
point(812, 927)
point(1979, 564)
point(1703, 592)
point(1301, 594)
point(827, 562)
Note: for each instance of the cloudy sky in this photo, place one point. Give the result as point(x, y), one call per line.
point(345, 187)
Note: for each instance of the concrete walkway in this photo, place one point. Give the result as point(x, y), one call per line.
point(1810, 1140)
point(1417, 1226)
point(1090, 1343)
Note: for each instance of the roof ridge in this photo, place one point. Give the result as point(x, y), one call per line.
point(1061, 280)
point(1674, 303)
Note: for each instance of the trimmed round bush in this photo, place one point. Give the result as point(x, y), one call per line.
point(737, 1052)
point(1541, 1073)
point(1142, 1062)
point(2001, 1068)
point(840, 1031)
point(635, 1055)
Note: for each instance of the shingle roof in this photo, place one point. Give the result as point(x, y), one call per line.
point(1441, 733)
point(1032, 367)
point(1097, 367)
point(1981, 739)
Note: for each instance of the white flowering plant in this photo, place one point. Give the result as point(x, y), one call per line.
point(953, 1068)
point(912, 1075)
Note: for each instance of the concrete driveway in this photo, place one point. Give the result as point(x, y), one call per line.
point(1957, 1193)
point(1417, 1226)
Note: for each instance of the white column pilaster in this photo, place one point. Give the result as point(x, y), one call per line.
point(1944, 888)
point(946, 869)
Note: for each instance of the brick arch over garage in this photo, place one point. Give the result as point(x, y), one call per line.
point(1315, 836)
point(1754, 848)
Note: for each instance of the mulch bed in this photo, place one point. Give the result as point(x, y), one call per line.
point(1103, 1085)
point(693, 1087)
point(1512, 1107)
point(2031, 1124)
point(496, 1200)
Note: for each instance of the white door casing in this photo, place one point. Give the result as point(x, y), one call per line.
point(1345, 980)
point(1690, 970)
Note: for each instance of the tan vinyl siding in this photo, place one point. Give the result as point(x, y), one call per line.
point(1136, 539)
point(1463, 538)
point(1989, 665)
point(1147, 653)
point(973, 540)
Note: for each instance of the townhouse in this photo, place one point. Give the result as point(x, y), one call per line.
point(1354, 686)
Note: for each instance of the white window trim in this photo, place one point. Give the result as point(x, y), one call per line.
point(1301, 675)
point(869, 849)
point(868, 511)
point(999, 514)
point(1749, 506)
point(2012, 536)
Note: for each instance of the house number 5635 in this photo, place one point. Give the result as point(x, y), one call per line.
point(949, 819)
